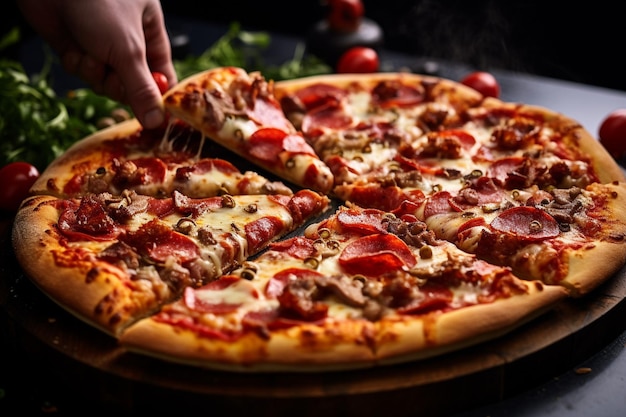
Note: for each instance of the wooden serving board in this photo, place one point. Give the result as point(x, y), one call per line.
point(102, 373)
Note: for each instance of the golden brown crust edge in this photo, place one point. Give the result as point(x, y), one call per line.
point(465, 327)
point(92, 292)
point(344, 345)
point(591, 268)
point(305, 348)
point(443, 88)
point(588, 268)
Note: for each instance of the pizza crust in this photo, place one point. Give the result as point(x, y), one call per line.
point(439, 89)
point(411, 339)
point(306, 348)
point(346, 344)
point(592, 266)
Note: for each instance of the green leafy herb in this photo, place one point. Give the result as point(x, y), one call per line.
point(36, 125)
point(239, 48)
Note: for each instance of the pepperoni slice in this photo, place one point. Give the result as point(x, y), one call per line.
point(292, 288)
point(159, 242)
point(329, 116)
point(268, 113)
point(438, 203)
point(448, 144)
point(261, 231)
point(500, 169)
point(267, 144)
point(435, 297)
point(374, 255)
point(318, 95)
point(302, 204)
point(341, 166)
point(305, 203)
point(466, 140)
point(279, 281)
point(383, 198)
point(395, 94)
point(364, 222)
point(475, 222)
point(195, 206)
point(87, 221)
point(298, 247)
point(204, 166)
point(482, 191)
point(527, 223)
point(160, 206)
point(146, 171)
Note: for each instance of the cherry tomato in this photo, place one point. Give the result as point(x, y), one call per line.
point(16, 179)
point(613, 133)
point(483, 82)
point(161, 81)
point(345, 15)
point(358, 59)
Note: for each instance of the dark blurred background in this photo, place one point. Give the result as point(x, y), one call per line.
point(575, 41)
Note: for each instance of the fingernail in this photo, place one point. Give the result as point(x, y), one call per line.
point(153, 119)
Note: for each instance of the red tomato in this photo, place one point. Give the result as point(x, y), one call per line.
point(483, 82)
point(345, 15)
point(613, 133)
point(161, 81)
point(16, 179)
point(358, 59)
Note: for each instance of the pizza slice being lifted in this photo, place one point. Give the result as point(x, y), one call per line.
point(237, 109)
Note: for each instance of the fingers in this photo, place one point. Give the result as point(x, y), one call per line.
point(133, 85)
point(121, 67)
point(141, 90)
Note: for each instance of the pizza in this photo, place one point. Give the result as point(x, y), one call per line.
point(324, 223)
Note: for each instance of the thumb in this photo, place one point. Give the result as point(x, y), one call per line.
point(143, 95)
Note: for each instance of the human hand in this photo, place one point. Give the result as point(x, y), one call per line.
point(113, 45)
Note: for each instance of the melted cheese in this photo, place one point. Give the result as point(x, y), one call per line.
point(237, 127)
point(237, 293)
